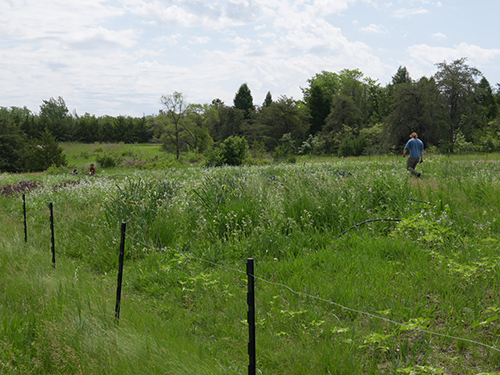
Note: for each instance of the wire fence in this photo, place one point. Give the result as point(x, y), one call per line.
point(60, 214)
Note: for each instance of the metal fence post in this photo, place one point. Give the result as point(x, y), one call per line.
point(251, 317)
point(25, 222)
point(51, 207)
point(120, 272)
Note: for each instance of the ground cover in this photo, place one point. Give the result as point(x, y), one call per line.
point(414, 290)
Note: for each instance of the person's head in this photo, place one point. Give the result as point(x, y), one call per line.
point(413, 135)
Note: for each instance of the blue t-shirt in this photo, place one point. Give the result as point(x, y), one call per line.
point(416, 146)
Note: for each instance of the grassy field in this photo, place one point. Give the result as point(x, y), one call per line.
point(412, 290)
point(111, 158)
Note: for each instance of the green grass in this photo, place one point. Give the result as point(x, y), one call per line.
point(123, 156)
point(189, 233)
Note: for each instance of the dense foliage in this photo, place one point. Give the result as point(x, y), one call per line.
point(454, 110)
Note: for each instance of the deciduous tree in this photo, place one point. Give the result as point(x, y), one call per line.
point(457, 82)
point(417, 107)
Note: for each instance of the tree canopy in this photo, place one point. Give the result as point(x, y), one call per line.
point(342, 111)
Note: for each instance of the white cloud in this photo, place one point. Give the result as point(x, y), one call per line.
point(100, 37)
point(31, 19)
point(199, 40)
point(171, 40)
point(439, 36)
point(431, 55)
point(408, 12)
point(374, 29)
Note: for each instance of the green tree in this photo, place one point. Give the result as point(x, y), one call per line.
point(170, 121)
point(417, 107)
point(223, 121)
point(345, 119)
point(458, 85)
point(402, 76)
point(283, 116)
point(243, 100)
point(268, 100)
point(43, 153)
point(197, 136)
point(487, 102)
point(54, 117)
point(319, 96)
point(12, 143)
point(87, 129)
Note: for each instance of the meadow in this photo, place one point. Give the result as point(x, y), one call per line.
point(360, 269)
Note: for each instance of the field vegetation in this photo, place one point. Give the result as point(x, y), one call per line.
point(360, 268)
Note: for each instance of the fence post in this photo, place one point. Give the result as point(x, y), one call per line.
point(120, 273)
point(251, 317)
point(51, 207)
point(25, 222)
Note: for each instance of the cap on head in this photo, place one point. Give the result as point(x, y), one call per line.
point(414, 135)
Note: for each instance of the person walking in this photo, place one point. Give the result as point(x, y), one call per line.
point(416, 148)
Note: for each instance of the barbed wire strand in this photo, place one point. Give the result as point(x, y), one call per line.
point(374, 316)
point(365, 222)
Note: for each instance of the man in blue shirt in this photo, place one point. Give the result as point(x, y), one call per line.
point(416, 147)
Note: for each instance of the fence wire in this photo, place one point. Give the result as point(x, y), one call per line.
point(346, 308)
point(308, 295)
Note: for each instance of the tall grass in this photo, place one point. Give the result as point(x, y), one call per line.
point(189, 232)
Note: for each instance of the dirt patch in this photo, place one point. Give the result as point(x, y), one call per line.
point(20, 187)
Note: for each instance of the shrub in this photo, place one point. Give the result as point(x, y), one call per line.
point(352, 146)
point(108, 160)
point(235, 150)
point(232, 151)
point(286, 150)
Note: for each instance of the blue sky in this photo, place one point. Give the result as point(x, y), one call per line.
point(120, 57)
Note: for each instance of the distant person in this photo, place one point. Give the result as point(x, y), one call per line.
point(416, 147)
point(92, 169)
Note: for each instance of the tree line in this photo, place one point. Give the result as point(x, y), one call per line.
point(342, 113)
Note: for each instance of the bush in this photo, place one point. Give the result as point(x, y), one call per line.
point(232, 151)
point(235, 150)
point(108, 160)
point(286, 150)
point(352, 146)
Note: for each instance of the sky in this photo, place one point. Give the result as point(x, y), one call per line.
point(119, 57)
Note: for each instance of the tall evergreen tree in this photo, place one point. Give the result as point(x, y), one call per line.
point(402, 76)
point(486, 100)
point(43, 153)
point(54, 117)
point(243, 100)
point(12, 143)
point(268, 100)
